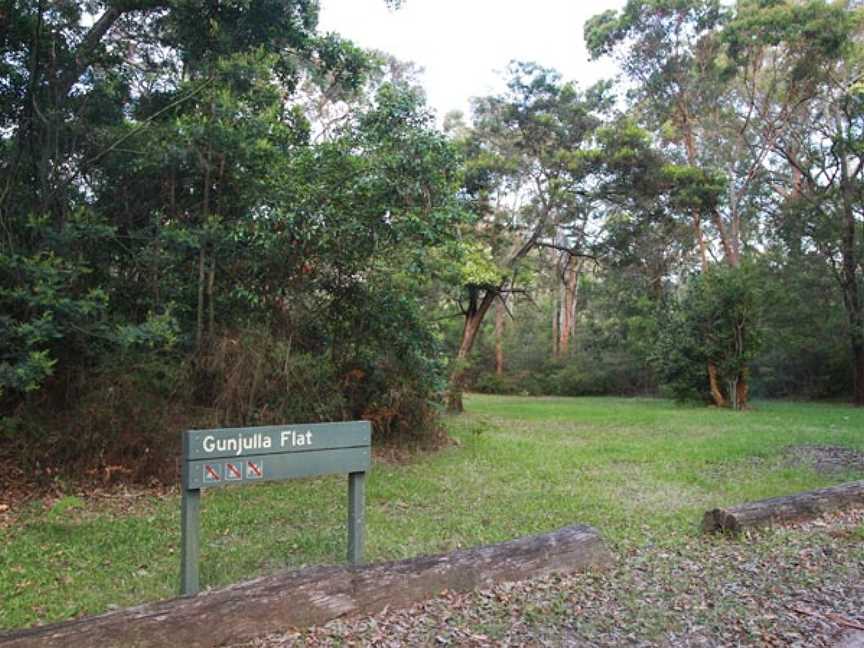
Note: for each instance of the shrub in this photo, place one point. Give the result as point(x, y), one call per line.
point(123, 418)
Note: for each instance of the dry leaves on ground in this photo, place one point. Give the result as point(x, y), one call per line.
point(800, 585)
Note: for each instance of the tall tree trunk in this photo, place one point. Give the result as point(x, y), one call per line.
point(477, 308)
point(558, 310)
point(714, 385)
point(742, 390)
point(500, 320)
point(849, 275)
point(202, 258)
point(689, 143)
point(211, 280)
point(570, 287)
point(155, 278)
point(199, 323)
point(556, 324)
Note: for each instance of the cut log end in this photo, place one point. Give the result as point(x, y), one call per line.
point(718, 520)
point(789, 508)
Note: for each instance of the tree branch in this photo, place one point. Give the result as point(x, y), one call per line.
point(92, 39)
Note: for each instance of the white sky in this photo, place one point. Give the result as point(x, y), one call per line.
point(464, 45)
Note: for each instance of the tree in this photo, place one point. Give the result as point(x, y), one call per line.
point(716, 320)
point(819, 176)
point(527, 151)
point(183, 205)
point(719, 110)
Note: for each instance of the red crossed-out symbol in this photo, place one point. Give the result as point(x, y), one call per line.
point(253, 469)
point(215, 476)
point(234, 470)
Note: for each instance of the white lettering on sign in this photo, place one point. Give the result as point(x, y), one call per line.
point(292, 439)
point(237, 444)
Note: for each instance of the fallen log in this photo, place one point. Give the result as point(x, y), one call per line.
point(801, 506)
point(312, 596)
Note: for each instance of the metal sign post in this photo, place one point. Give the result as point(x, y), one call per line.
point(232, 456)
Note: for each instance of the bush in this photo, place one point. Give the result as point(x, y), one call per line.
point(124, 417)
point(609, 373)
point(716, 320)
point(116, 421)
point(507, 384)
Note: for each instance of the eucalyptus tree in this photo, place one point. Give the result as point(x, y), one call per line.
point(720, 113)
point(820, 175)
point(527, 169)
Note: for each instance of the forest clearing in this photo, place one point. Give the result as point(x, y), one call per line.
point(640, 470)
point(584, 278)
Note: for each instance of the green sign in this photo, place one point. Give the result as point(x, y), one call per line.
point(235, 456)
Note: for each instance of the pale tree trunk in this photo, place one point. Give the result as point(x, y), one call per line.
point(478, 306)
point(732, 256)
point(570, 290)
point(556, 316)
point(500, 321)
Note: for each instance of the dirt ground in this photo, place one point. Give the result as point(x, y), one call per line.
point(826, 459)
point(796, 585)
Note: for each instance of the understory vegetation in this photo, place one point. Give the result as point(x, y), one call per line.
point(642, 471)
point(215, 215)
point(624, 343)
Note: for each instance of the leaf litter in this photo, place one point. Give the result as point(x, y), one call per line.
point(799, 585)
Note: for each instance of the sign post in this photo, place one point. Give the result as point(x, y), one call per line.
point(356, 517)
point(214, 458)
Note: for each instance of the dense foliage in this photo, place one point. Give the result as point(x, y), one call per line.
point(726, 252)
point(187, 242)
point(211, 213)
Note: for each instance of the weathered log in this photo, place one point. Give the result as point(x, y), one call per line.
point(312, 596)
point(801, 506)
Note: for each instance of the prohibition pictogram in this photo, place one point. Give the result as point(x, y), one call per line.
point(212, 473)
point(254, 469)
point(233, 471)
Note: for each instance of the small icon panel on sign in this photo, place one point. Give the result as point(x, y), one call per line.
point(254, 469)
point(212, 473)
point(233, 471)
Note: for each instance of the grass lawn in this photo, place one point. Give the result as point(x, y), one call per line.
point(640, 470)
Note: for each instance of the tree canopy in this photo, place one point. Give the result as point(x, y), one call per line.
point(213, 213)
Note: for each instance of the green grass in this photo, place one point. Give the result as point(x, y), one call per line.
point(640, 470)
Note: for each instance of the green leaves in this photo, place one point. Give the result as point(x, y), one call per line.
point(602, 32)
point(693, 188)
point(812, 33)
point(44, 302)
point(717, 320)
point(478, 268)
point(157, 332)
point(214, 166)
